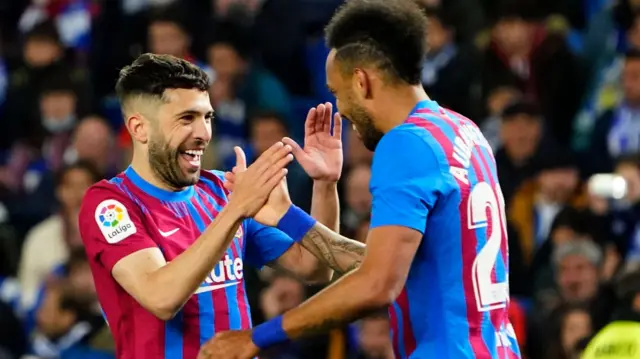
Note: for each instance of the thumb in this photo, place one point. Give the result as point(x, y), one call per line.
point(241, 159)
point(295, 147)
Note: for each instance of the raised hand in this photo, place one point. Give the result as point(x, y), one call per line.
point(253, 185)
point(321, 156)
point(277, 204)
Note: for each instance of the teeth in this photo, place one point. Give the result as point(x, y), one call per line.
point(195, 152)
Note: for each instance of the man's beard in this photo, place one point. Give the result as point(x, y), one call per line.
point(369, 134)
point(164, 163)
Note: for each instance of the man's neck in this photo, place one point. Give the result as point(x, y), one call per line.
point(398, 105)
point(141, 166)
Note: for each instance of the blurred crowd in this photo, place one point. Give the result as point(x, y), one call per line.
point(554, 85)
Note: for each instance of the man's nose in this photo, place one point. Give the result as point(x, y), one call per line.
point(202, 130)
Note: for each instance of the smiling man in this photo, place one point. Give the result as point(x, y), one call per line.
point(166, 244)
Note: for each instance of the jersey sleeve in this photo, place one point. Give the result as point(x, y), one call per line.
point(111, 226)
point(264, 244)
point(406, 181)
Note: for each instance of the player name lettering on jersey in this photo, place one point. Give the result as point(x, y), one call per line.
point(468, 137)
point(228, 272)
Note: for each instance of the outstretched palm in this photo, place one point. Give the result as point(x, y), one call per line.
point(321, 156)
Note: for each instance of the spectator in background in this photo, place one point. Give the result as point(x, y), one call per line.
point(523, 142)
point(524, 55)
point(536, 203)
point(497, 101)
point(285, 293)
point(572, 323)
point(617, 132)
point(68, 326)
point(42, 144)
point(449, 71)
point(373, 337)
point(42, 58)
point(240, 87)
point(93, 141)
point(622, 335)
point(355, 151)
point(49, 243)
point(357, 197)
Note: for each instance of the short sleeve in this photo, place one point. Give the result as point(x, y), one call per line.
point(111, 226)
point(264, 244)
point(406, 181)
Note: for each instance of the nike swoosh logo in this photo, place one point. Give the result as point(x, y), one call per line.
point(210, 288)
point(167, 234)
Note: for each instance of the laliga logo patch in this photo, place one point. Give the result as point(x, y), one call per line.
point(113, 220)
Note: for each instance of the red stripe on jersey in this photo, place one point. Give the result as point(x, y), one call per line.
point(408, 337)
point(393, 323)
point(468, 241)
point(191, 328)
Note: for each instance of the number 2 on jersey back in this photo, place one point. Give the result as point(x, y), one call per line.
point(489, 295)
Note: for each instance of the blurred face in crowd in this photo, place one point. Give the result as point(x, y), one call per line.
point(499, 98)
point(57, 110)
point(93, 141)
point(226, 62)
point(512, 35)
point(521, 136)
point(174, 131)
point(374, 338)
point(282, 295)
point(265, 132)
point(437, 35)
point(631, 174)
point(633, 34)
point(558, 185)
point(52, 320)
point(41, 52)
point(72, 188)
point(631, 81)
point(577, 278)
point(575, 325)
point(80, 279)
point(353, 105)
point(357, 189)
point(168, 38)
point(562, 234)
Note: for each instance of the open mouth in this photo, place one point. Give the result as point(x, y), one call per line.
point(192, 157)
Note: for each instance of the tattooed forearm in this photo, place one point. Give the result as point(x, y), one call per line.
point(337, 252)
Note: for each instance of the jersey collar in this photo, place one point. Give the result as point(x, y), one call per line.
point(159, 193)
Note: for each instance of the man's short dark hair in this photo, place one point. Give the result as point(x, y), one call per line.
point(269, 116)
point(152, 75)
point(632, 54)
point(389, 34)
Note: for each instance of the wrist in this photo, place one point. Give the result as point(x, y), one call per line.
point(296, 223)
point(325, 186)
point(269, 333)
point(233, 211)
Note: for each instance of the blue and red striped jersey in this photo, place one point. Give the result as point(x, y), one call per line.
point(128, 214)
point(436, 174)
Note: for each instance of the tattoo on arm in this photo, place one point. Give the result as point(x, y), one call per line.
point(339, 253)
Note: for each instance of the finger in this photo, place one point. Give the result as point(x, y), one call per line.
point(266, 160)
point(337, 125)
point(319, 115)
point(295, 147)
point(326, 118)
point(241, 158)
point(275, 179)
point(309, 123)
point(275, 167)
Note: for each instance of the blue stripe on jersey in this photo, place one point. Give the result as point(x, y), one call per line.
point(400, 333)
point(173, 337)
point(215, 188)
point(232, 296)
point(204, 209)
